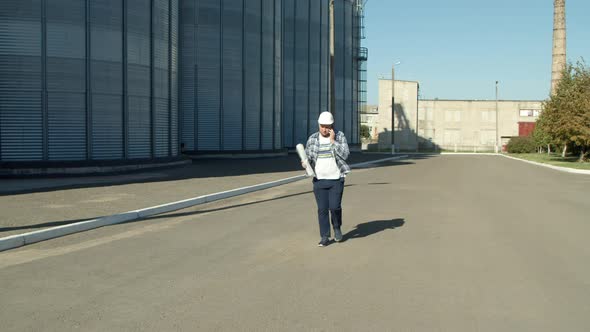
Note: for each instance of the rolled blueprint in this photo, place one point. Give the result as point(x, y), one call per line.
point(303, 157)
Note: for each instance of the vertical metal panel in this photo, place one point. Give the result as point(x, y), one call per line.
point(187, 73)
point(277, 128)
point(161, 126)
point(252, 54)
point(161, 25)
point(302, 71)
point(174, 76)
point(347, 92)
point(232, 74)
point(208, 74)
point(355, 75)
point(107, 127)
point(21, 130)
point(106, 55)
point(160, 39)
point(288, 73)
point(107, 79)
point(66, 126)
point(314, 64)
point(138, 79)
point(44, 66)
point(139, 140)
point(267, 53)
point(66, 77)
point(339, 36)
point(21, 126)
point(324, 55)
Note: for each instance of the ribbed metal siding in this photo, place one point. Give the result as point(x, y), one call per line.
point(289, 73)
point(187, 73)
point(324, 56)
point(348, 64)
point(232, 50)
point(21, 117)
point(314, 65)
point(66, 79)
point(208, 74)
point(106, 18)
point(278, 142)
point(305, 68)
point(66, 126)
point(339, 64)
point(252, 54)
point(301, 71)
point(252, 90)
point(161, 75)
point(355, 75)
point(139, 139)
point(51, 56)
point(346, 108)
point(267, 133)
point(174, 77)
point(232, 74)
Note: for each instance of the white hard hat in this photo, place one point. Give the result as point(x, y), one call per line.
point(326, 118)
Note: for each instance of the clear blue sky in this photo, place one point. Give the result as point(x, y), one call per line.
point(457, 49)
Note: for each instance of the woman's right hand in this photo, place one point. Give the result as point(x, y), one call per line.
point(303, 164)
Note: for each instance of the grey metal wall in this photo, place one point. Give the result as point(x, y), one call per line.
point(230, 75)
point(346, 68)
point(84, 80)
point(305, 67)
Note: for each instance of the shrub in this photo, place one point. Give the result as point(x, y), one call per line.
point(365, 132)
point(521, 145)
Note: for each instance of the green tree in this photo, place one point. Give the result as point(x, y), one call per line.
point(565, 119)
point(540, 137)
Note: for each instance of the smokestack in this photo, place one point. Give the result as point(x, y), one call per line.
point(559, 43)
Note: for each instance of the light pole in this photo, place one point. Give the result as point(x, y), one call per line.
point(497, 134)
point(393, 106)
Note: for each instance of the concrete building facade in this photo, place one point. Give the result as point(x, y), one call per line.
point(470, 125)
point(453, 125)
point(406, 112)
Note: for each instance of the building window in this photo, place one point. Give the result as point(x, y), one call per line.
point(453, 116)
point(488, 116)
point(529, 113)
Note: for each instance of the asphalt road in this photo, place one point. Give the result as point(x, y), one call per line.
point(446, 243)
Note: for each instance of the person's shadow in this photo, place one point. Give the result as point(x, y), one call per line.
point(372, 227)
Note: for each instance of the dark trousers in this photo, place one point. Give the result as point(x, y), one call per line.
point(328, 195)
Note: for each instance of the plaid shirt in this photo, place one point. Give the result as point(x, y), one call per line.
point(339, 151)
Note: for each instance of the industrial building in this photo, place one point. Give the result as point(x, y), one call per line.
point(137, 81)
point(451, 125)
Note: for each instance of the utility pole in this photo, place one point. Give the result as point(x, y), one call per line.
point(497, 134)
point(332, 79)
point(393, 109)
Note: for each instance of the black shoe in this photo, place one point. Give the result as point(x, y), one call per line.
point(337, 235)
point(324, 242)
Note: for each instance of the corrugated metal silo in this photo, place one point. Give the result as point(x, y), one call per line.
point(230, 75)
point(346, 68)
point(84, 81)
point(305, 67)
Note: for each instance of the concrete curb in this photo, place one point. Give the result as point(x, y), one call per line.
point(89, 170)
point(19, 240)
point(558, 168)
point(469, 153)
